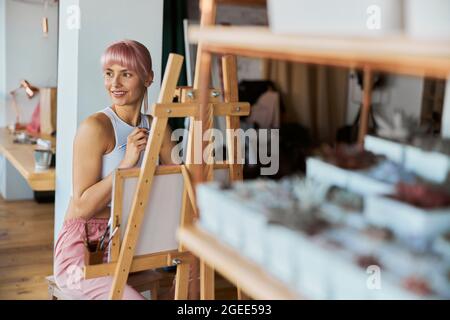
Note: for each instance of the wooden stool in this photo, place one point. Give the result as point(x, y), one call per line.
point(139, 281)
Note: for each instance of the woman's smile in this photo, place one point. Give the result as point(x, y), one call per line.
point(118, 93)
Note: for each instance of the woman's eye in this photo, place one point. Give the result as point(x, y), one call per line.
point(108, 74)
point(127, 75)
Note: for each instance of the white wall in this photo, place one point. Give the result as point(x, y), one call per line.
point(80, 83)
point(24, 54)
point(400, 93)
point(29, 55)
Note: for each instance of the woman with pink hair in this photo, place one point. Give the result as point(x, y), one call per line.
point(113, 138)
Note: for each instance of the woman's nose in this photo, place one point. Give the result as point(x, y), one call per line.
point(115, 81)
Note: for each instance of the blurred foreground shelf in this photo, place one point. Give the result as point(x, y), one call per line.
point(397, 54)
point(249, 276)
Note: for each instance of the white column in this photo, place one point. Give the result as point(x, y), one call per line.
point(80, 83)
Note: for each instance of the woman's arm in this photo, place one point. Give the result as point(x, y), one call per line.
point(90, 193)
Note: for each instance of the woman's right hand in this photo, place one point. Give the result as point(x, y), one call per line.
point(136, 143)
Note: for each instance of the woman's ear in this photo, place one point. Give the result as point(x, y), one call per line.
point(149, 79)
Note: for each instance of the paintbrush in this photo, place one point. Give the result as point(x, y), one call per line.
point(102, 238)
point(86, 240)
point(112, 236)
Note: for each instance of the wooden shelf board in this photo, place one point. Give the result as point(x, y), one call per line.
point(21, 156)
point(396, 54)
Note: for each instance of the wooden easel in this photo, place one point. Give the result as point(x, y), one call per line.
point(123, 260)
point(202, 80)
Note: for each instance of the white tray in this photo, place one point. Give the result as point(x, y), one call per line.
point(442, 247)
point(432, 166)
point(406, 220)
point(254, 236)
point(327, 173)
point(280, 253)
point(313, 268)
point(354, 181)
point(392, 150)
point(240, 225)
point(208, 198)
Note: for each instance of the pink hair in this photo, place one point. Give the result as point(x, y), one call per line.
point(130, 54)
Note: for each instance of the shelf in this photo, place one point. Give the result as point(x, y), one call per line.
point(21, 156)
point(396, 54)
point(252, 279)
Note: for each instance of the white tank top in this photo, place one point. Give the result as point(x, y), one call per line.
point(121, 132)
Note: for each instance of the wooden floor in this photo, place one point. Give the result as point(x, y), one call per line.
point(26, 253)
point(26, 249)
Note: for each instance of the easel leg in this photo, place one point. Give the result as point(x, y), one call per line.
point(367, 101)
point(241, 294)
point(207, 287)
point(154, 291)
point(182, 281)
point(231, 94)
point(194, 280)
point(187, 274)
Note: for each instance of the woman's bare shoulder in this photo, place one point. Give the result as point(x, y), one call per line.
point(96, 130)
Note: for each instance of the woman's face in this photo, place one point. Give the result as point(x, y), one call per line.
point(124, 86)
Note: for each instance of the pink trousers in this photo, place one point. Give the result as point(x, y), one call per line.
point(69, 262)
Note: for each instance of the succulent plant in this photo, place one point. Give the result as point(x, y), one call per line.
point(309, 193)
point(400, 128)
